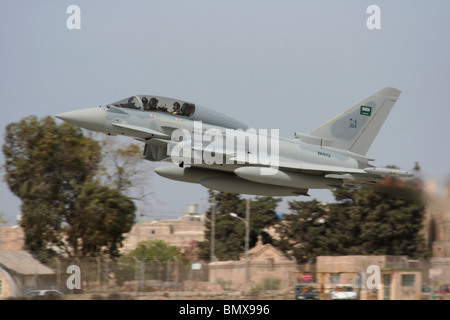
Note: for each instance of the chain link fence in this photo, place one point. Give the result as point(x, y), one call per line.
point(182, 279)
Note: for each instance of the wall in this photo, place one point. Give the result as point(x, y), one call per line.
point(174, 232)
point(11, 238)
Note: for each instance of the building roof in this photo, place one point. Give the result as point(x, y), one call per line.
point(22, 262)
point(262, 252)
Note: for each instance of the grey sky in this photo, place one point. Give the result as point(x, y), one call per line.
point(288, 65)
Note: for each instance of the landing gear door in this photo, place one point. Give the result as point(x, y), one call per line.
point(156, 150)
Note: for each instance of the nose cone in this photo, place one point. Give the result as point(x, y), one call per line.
point(92, 119)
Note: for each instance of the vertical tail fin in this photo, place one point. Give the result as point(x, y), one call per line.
point(356, 128)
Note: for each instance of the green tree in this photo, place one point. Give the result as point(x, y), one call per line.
point(303, 234)
point(101, 217)
point(48, 166)
point(229, 231)
point(362, 221)
point(383, 223)
point(156, 255)
point(154, 249)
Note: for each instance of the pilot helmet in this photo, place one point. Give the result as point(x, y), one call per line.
point(144, 101)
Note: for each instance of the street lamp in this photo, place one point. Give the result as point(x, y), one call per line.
point(213, 231)
point(247, 234)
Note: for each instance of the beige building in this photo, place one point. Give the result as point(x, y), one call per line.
point(437, 234)
point(20, 273)
point(11, 238)
point(178, 232)
point(399, 278)
point(264, 262)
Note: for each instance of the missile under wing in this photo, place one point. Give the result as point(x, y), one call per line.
point(197, 141)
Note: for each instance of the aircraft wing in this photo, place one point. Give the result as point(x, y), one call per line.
point(308, 167)
point(367, 175)
point(161, 148)
point(349, 175)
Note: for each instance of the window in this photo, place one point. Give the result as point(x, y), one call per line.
point(129, 103)
point(158, 104)
point(168, 105)
point(335, 278)
point(408, 280)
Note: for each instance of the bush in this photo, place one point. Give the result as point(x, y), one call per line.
point(271, 284)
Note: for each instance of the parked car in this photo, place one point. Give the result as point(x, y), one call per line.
point(444, 288)
point(427, 293)
point(343, 292)
point(306, 292)
point(46, 293)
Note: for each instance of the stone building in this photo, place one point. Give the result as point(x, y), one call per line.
point(20, 273)
point(11, 238)
point(437, 234)
point(264, 262)
point(174, 232)
point(399, 278)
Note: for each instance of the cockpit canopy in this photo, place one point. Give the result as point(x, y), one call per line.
point(155, 103)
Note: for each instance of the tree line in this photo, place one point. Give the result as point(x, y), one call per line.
point(362, 221)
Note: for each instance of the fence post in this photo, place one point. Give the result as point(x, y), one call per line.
point(99, 272)
point(158, 274)
point(136, 274)
point(106, 285)
point(58, 274)
point(168, 270)
point(142, 274)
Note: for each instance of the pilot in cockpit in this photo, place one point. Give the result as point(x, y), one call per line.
point(153, 104)
point(145, 103)
point(176, 108)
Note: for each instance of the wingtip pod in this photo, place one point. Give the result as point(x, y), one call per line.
point(388, 172)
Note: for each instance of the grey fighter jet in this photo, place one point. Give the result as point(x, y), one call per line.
point(222, 153)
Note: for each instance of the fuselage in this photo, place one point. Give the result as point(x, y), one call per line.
point(291, 151)
point(228, 155)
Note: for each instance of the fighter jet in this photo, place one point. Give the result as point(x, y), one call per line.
point(196, 140)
